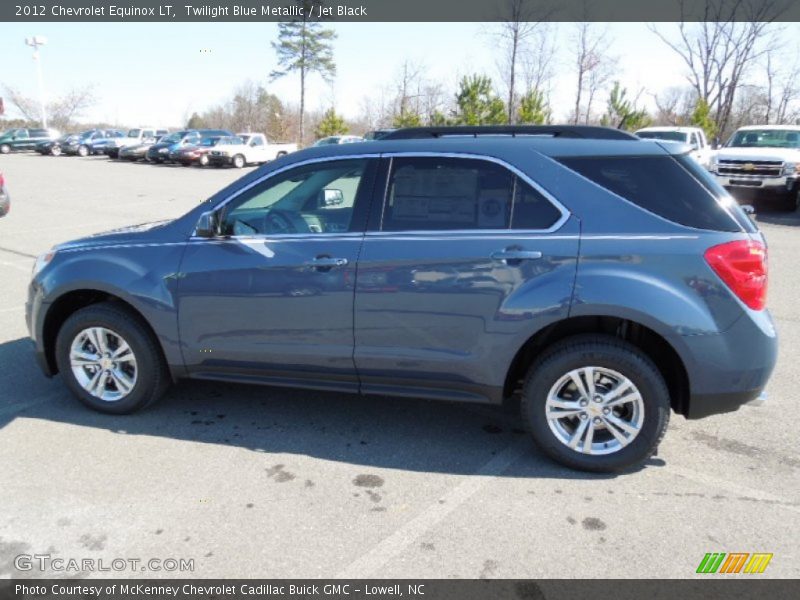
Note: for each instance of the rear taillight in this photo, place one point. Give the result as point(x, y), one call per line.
point(742, 265)
point(2, 180)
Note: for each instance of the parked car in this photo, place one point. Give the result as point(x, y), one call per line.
point(247, 149)
point(53, 147)
point(694, 136)
point(605, 280)
point(338, 139)
point(761, 162)
point(159, 153)
point(5, 199)
point(99, 144)
point(24, 138)
point(134, 137)
point(89, 142)
point(195, 153)
point(137, 152)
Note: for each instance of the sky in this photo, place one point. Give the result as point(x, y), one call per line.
point(158, 74)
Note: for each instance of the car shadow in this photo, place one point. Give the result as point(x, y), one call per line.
point(372, 431)
point(777, 217)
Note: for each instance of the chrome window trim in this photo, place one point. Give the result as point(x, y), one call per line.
point(565, 214)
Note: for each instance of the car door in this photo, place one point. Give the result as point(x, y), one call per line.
point(272, 298)
point(465, 260)
point(21, 140)
point(258, 150)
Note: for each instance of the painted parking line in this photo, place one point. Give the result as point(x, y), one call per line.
point(392, 546)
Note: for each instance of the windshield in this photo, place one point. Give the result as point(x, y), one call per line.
point(172, 138)
point(134, 133)
point(765, 138)
point(327, 141)
point(231, 141)
point(673, 136)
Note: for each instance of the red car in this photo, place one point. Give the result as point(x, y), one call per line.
point(195, 153)
point(5, 199)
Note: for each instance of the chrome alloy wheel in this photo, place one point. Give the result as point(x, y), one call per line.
point(594, 410)
point(103, 363)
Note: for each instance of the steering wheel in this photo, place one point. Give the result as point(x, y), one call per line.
point(281, 221)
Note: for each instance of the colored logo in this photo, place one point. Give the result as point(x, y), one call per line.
point(734, 562)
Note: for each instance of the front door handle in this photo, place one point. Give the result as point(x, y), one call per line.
point(516, 255)
point(326, 263)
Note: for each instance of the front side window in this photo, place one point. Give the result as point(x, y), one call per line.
point(317, 198)
point(440, 194)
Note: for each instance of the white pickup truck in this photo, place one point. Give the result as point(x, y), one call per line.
point(761, 162)
point(693, 136)
point(247, 149)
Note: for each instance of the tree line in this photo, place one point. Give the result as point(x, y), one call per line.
point(722, 59)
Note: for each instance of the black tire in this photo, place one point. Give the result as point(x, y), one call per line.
point(83, 151)
point(792, 201)
point(5, 149)
point(281, 153)
point(238, 161)
point(152, 373)
point(203, 160)
point(610, 353)
point(55, 151)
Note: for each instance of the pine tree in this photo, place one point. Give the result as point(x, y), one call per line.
point(533, 109)
point(477, 102)
point(331, 124)
point(306, 47)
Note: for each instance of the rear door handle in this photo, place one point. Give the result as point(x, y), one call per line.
point(510, 254)
point(326, 263)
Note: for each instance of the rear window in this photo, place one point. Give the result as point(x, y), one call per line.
point(659, 184)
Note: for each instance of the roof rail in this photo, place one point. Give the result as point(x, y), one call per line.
point(563, 131)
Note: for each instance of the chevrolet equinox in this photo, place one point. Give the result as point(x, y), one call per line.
point(604, 280)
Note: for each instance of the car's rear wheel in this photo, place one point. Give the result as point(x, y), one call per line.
point(596, 403)
point(110, 360)
point(5, 149)
point(281, 153)
point(83, 151)
point(55, 151)
point(238, 161)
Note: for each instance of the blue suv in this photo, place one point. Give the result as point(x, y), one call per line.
point(603, 280)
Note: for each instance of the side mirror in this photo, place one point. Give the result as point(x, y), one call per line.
point(208, 225)
point(330, 197)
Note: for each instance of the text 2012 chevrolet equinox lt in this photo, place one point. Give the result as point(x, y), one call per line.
point(605, 280)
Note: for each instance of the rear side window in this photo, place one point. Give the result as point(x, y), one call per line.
point(441, 194)
point(659, 184)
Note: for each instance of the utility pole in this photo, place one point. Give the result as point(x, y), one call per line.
point(34, 42)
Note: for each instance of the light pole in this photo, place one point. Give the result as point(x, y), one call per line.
point(34, 42)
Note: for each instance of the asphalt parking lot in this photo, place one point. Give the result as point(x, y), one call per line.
point(267, 482)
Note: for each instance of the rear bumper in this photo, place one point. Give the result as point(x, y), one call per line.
point(730, 369)
point(705, 405)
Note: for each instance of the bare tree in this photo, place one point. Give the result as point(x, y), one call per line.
point(674, 105)
point(62, 111)
point(538, 60)
point(592, 65)
point(719, 50)
point(782, 94)
point(521, 20)
point(407, 84)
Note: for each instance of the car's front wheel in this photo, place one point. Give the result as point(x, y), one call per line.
point(238, 161)
point(110, 360)
point(83, 151)
point(596, 403)
point(203, 160)
point(56, 151)
point(5, 148)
